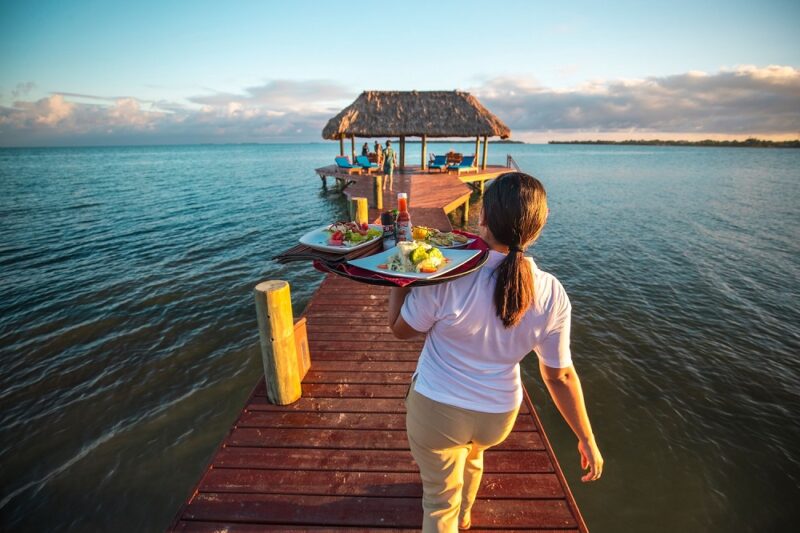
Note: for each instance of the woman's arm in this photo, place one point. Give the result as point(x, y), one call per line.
point(565, 389)
point(399, 327)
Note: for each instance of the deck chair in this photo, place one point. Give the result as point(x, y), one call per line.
point(365, 163)
point(439, 163)
point(343, 163)
point(466, 165)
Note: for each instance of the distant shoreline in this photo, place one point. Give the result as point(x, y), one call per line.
point(749, 143)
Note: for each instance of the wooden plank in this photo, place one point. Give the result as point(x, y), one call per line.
point(383, 484)
point(357, 439)
point(354, 390)
point(342, 405)
point(361, 355)
point(368, 366)
point(340, 345)
point(495, 461)
point(311, 420)
point(378, 378)
point(368, 511)
point(192, 526)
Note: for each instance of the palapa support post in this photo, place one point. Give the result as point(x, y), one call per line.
point(402, 151)
point(477, 147)
point(424, 164)
point(359, 210)
point(353, 148)
point(377, 191)
point(341, 145)
point(278, 347)
point(485, 147)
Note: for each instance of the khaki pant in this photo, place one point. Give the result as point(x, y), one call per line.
point(448, 443)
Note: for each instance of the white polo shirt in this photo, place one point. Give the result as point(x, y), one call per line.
point(470, 360)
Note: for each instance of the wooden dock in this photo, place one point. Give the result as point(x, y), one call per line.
point(338, 458)
point(430, 194)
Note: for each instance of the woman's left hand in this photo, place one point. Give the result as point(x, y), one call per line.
point(591, 460)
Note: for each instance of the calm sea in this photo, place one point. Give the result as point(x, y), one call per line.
point(129, 340)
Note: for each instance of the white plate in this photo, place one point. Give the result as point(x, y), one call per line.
point(318, 239)
point(456, 257)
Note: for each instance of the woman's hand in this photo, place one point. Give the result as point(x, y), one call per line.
point(590, 460)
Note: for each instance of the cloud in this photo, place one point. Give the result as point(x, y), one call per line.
point(283, 95)
point(735, 101)
point(279, 111)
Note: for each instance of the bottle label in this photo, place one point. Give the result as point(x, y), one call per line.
point(403, 231)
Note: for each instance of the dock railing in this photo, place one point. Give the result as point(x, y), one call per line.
point(510, 163)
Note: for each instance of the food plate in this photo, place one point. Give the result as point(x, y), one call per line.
point(455, 258)
point(453, 247)
point(318, 239)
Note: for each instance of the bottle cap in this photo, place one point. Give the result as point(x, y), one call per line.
point(402, 195)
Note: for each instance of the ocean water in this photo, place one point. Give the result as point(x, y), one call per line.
point(129, 343)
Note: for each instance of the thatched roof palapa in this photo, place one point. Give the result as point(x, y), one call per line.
point(414, 114)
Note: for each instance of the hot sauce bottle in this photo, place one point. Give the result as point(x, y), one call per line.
point(403, 218)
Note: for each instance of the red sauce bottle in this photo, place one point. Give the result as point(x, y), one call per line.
point(403, 218)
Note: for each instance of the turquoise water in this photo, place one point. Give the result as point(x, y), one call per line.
point(129, 341)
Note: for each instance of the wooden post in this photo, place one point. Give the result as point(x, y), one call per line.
point(359, 210)
point(477, 146)
point(424, 165)
point(278, 348)
point(402, 152)
point(341, 145)
point(482, 183)
point(353, 148)
point(485, 147)
point(377, 190)
point(465, 213)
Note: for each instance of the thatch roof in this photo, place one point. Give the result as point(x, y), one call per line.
point(414, 113)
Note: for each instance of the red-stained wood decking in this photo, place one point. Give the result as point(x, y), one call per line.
point(432, 194)
point(338, 458)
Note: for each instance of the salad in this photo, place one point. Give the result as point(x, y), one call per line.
point(351, 234)
point(415, 256)
point(438, 238)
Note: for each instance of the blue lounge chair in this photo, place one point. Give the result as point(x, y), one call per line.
point(439, 163)
point(344, 164)
point(365, 163)
point(466, 165)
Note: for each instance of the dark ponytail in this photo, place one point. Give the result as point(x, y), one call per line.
point(514, 210)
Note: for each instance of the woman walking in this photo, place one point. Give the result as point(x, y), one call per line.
point(389, 162)
point(466, 391)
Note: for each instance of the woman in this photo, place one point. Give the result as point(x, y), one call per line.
point(389, 161)
point(365, 149)
point(466, 391)
point(379, 154)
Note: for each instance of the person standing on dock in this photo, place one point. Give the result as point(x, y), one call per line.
point(389, 162)
point(365, 149)
point(379, 154)
point(466, 390)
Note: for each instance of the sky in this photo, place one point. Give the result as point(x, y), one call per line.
point(172, 72)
